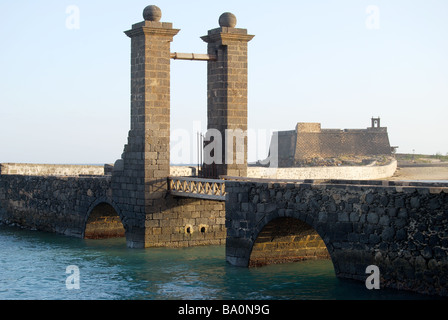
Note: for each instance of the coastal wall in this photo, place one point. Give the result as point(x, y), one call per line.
point(314, 173)
point(305, 173)
point(50, 169)
point(325, 173)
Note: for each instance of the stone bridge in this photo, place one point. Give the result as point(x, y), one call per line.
point(401, 227)
point(398, 226)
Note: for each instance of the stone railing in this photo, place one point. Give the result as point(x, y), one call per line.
point(197, 188)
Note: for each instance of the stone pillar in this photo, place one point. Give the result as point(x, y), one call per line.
point(140, 177)
point(227, 94)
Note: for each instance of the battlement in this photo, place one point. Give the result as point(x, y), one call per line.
point(308, 127)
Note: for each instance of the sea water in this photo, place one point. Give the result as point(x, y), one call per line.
point(45, 266)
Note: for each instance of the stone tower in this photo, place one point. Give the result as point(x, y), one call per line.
point(139, 180)
point(227, 94)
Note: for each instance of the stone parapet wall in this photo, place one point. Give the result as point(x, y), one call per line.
point(324, 173)
point(33, 169)
point(53, 204)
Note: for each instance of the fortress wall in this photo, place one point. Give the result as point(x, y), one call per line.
point(334, 143)
point(318, 173)
point(308, 145)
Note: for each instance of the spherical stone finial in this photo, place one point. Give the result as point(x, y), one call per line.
point(227, 19)
point(152, 13)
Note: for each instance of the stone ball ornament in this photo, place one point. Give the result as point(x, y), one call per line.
point(152, 13)
point(227, 19)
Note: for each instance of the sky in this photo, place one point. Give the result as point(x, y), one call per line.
point(65, 73)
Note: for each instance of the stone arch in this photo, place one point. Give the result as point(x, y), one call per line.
point(103, 220)
point(284, 239)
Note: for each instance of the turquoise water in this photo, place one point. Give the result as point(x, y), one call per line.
point(33, 266)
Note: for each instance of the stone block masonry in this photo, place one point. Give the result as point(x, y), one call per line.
point(186, 222)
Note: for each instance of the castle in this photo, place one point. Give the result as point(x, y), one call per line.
point(309, 140)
